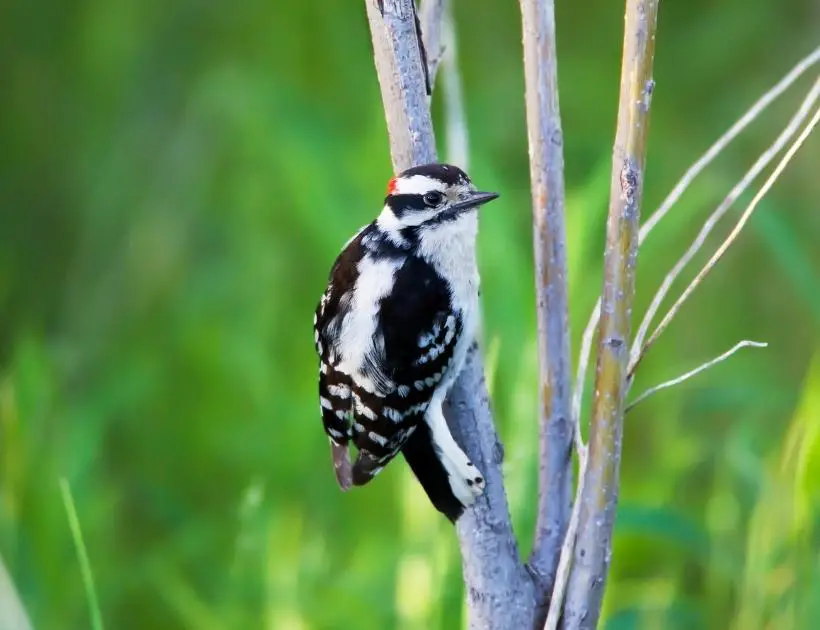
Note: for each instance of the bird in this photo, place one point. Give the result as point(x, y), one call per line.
point(392, 330)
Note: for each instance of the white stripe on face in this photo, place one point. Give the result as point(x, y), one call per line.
point(417, 185)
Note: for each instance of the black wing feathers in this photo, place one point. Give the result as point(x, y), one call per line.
point(414, 343)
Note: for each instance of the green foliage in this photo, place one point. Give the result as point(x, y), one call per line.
point(176, 180)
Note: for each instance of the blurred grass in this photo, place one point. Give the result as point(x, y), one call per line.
point(176, 180)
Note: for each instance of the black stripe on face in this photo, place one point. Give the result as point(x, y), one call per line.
point(403, 204)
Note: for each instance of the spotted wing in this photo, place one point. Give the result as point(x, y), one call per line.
point(335, 387)
point(417, 334)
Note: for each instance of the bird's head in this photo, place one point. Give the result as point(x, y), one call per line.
point(430, 196)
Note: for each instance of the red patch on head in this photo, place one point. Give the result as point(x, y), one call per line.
point(391, 186)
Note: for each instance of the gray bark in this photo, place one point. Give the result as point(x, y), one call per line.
point(599, 498)
point(498, 587)
point(549, 243)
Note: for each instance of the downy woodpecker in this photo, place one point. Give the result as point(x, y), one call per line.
point(392, 331)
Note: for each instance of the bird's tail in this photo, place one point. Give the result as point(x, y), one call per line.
point(426, 465)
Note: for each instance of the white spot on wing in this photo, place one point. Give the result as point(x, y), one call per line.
point(367, 412)
point(378, 439)
point(392, 414)
point(339, 391)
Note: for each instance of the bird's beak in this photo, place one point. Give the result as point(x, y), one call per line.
point(474, 200)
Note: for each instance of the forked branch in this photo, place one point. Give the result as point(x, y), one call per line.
point(499, 590)
point(599, 497)
point(798, 70)
point(640, 350)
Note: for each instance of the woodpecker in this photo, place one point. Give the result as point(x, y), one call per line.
point(392, 330)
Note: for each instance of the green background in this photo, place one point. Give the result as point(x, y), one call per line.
point(176, 180)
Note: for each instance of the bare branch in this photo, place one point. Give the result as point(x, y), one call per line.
point(568, 546)
point(499, 589)
point(721, 143)
point(431, 15)
point(12, 613)
point(768, 155)
point(402, 82)
point(753, 112)
point(733, 234)
point(583, 362)
point(705, 366)
point(547, 180)
point(457, 138)
point(599, 497)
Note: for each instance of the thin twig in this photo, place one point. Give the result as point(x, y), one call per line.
point(705, 366)
point(431, 15)
point(747, 118)
point(455, 116)
point(721, 143)
point(583, 361)
point(599, 497)
point(734, 233)
point(768, 155)
point(546, 150)
point(568, 546)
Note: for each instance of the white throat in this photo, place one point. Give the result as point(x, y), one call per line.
point(451, 248)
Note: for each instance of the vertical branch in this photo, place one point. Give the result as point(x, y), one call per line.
point(432, 16)
point(600, 494)
point(499, 591)
point(547, 182)
point(402, 82)
point(455, 126)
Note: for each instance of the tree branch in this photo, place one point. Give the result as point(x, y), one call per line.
point(402, 82)
point(724, 246)
point(431, 15)
point(600, 493)
point(702, 162)
point(694, 372)
point(638, 348)
point(568, 546)
point(721, 143)
point(549, 243)
point(499, 591)
point(455, 118)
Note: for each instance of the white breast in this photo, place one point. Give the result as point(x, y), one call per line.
point(451, 249)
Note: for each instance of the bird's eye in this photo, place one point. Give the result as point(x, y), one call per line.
point(433, 198)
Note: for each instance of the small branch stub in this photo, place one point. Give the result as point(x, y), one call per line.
point(694, 372)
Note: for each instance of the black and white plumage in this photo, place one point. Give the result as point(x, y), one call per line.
point(392, 331)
